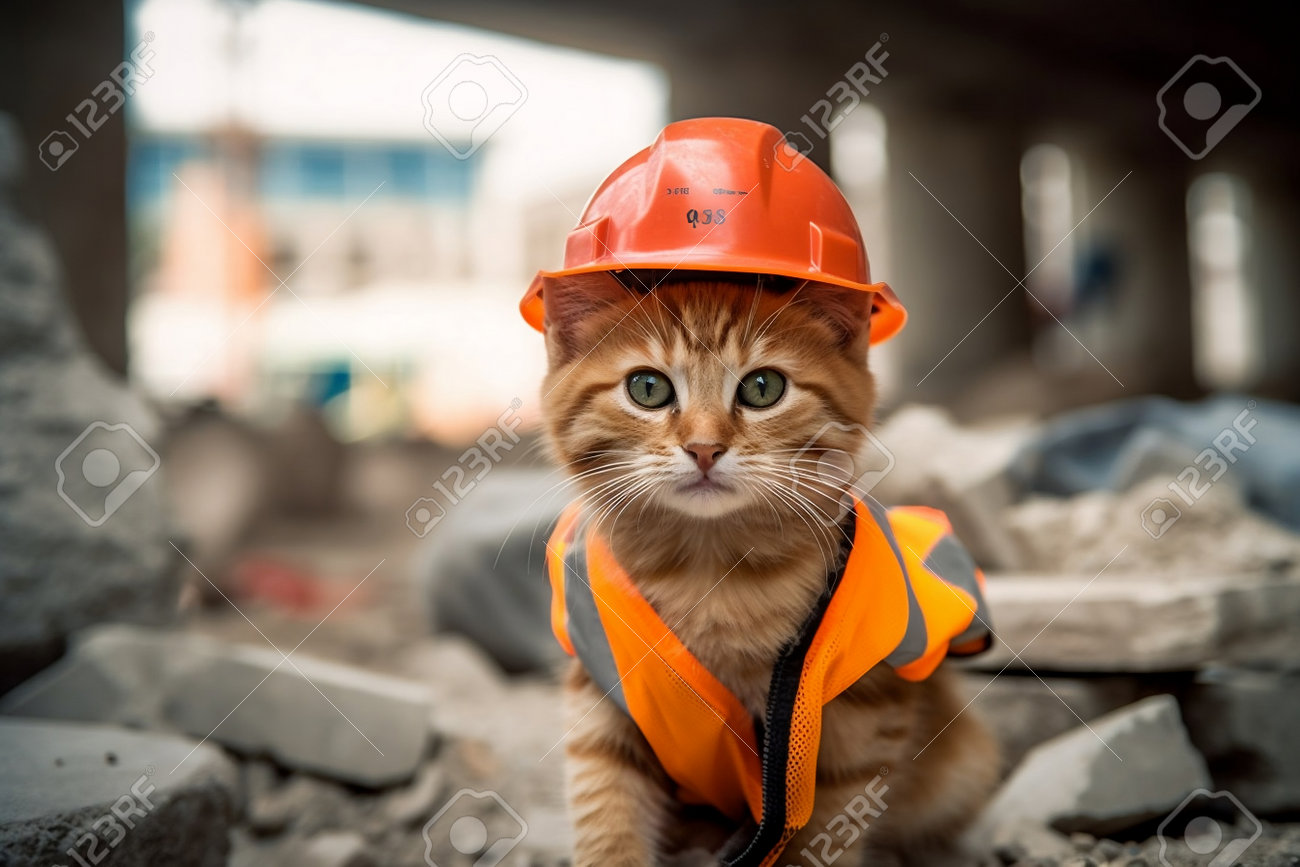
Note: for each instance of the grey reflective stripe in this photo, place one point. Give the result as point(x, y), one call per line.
point(582, 620)
point(951, 562)
point(916, 637)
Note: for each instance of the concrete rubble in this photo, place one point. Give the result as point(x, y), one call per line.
point(487, 555)
point(280, 807)
point(304, 713)
point(1215, 535)
point(76, 792)
point(1090, 623)
point(53, 390)
point(1024, 710)
point(1245, 722)
point(1130, 766)
point(961, 471)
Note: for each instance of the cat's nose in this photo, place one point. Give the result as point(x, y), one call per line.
point(705, 454)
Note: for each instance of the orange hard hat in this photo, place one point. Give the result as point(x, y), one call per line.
point(722, 194)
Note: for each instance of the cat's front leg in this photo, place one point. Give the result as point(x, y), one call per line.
point(616, 788)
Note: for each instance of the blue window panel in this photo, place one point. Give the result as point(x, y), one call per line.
point(449, 178)
point(150, 165)
point(323, 170)
point(408, 173)
point(280, 172)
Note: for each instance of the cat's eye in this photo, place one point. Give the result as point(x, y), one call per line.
point(650, 389)
point(761, 388)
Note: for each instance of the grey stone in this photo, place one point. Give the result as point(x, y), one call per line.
point(962, 471)
point(11, 158)
point(306, 463)
point(483, 567)
point(273, 810)
point(1245, 723)
point(333, 849)
point(342, 722)
point(1108, 850)
point(1139, 623)
point(160, 799)
point(219, 483)
point(58, 573)
point(1024, 710)
point(325, 718)
point(111, 673)
point(1029, 842)
point(1128, 767)
point(1151, 530)
point(1083, 842)
point(413, 804)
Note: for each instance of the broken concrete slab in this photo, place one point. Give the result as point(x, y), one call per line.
point(341, 722)
point(962, 471)
point(482, 568)
point(76, 793)
point(1127, 767)
point(1173, 533)
point(1023, 710)
point(83, 524)
point(331, 719)
point(1139, 623)
point(1245, 724)
point(333, 849)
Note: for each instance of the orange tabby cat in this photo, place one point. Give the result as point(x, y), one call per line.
point(698, 503)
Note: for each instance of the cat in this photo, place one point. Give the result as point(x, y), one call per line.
point(699, 505)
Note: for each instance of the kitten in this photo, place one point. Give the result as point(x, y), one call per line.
point(640, 475)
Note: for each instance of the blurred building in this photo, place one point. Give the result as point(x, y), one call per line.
point(1017, 171)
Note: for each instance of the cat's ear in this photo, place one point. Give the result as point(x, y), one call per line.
point(572, 304)
point(846, 311)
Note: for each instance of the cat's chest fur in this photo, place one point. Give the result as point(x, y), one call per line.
point(738, 625)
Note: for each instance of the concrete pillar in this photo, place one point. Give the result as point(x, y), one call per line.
point(940, 163)
point(51, 58)
point(739, 79)
point(1274, 272)
point(1147, 338)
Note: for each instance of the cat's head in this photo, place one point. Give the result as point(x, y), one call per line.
point(707, 397)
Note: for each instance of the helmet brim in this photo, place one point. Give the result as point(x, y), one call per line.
point(888, 316)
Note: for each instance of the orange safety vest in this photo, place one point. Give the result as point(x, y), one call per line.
point(908, 595)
